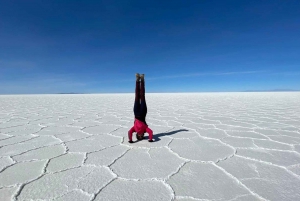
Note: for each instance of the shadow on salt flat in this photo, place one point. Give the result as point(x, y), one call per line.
point(156, 137)
point(160, 139)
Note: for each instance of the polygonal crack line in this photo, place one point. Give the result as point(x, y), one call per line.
point(10, 136)
point(239, 196)
point(196, 199)
point(242, 126)
point(267, 149)
point(115, 129)
point(292, 166)
point(57, 138)
point(199, 161)
point(70, 126)
point(13, 160)
point(226, 157)
point(41, 125)
point(73, 139)
point(176, 154)
point(71, 168)
point(46, 166)
point(7, 133)
point(199, 135)
point(9, 186)
point(76, 119)
point(122, 141)
point(267, 136)
point(269, 163)
point(40, 119)
point(14, 126)
point(294, 147)
point(254, 143)
point(278, 141)
point(240, 137)
point(255, 178)
point(114, 161)
point(176, 171)
point(161, 180)
point(85, 158)
point(8, 166)
point(99, 191)
point(255, 169)
point(83, 177)
point(205, 124)
point(78, 189)
point(148, 150)
point(16, 118)
point(113, 135)
point(290, 136)
point(54, 158)
point(94, 195)
point(233, 148)
point(65, 146)
point(170, 189)
point(212, 120)
point(41, 148)
point(18, 192)
point(84, 127)
point(104, 148)
point(225, 131)
point(33, 160)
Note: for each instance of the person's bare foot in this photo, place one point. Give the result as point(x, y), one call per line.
point(137, 76)
point(142, 76)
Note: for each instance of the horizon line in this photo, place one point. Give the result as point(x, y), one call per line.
point(244, 91)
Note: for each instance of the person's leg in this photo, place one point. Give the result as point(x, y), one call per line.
point(143, 110)
point(137, 104)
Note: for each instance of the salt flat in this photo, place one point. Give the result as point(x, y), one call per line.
point(208, 146)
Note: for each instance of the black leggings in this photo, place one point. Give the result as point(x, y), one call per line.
point(140, 106)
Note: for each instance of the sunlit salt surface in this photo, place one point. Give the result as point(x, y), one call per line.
point(208, 146)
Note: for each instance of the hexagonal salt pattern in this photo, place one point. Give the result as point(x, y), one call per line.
point(208, 146)
point(205, 181)
point(7, 194)
point(135, 190)
point(147, 164)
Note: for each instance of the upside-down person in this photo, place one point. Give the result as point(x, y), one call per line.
point(140, 111)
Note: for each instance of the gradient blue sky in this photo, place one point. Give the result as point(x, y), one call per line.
point(181, 46)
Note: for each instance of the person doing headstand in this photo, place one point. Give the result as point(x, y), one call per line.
point(140, 111)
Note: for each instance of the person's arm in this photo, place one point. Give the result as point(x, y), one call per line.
point(130, 134)
point(150, 132)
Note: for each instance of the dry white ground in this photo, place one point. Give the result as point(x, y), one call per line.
point(208, 146)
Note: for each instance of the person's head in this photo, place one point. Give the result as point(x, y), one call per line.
point(140, 136)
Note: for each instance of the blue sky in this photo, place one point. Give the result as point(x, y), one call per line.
point(181, 46)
